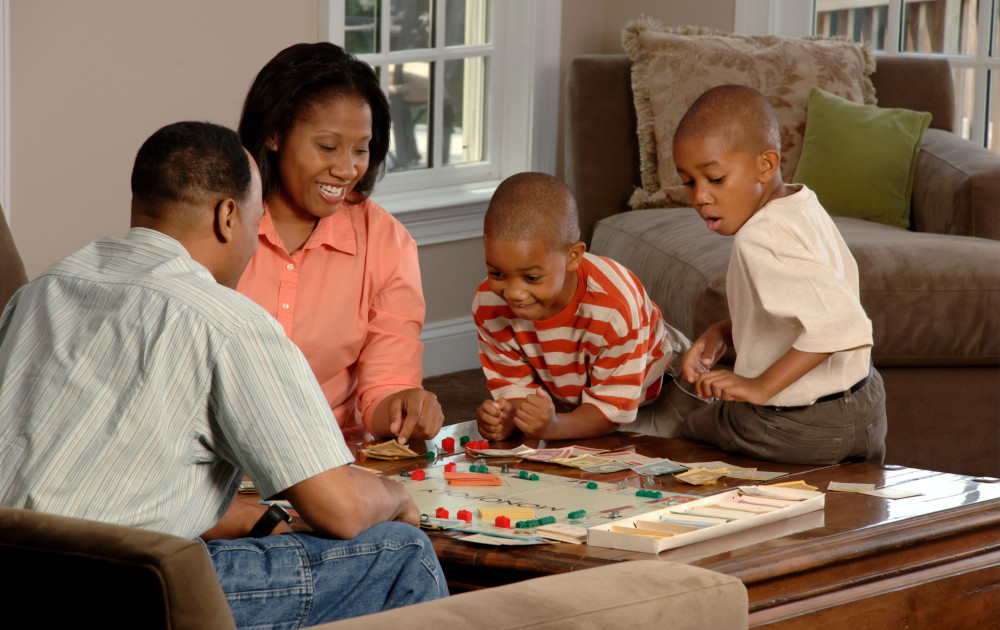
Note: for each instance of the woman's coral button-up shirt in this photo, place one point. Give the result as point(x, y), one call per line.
point(351, 300)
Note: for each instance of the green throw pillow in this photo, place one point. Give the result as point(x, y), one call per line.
point(860, 159)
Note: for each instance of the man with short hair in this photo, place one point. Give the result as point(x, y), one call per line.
point(137, 387)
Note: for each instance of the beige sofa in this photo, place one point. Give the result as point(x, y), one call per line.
point(65, 572)
point(932, 292)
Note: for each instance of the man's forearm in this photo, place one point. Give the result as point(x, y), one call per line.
point(343, 502)
point(237, 522)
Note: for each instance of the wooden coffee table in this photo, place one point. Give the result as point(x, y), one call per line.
point(931, 561)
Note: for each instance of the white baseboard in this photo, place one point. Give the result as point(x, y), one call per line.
point(449, 346)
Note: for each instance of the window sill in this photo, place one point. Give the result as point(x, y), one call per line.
point(441, 216)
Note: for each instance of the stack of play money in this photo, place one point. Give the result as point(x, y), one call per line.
point(702, 476)
point(388, 450)
point(583, 461)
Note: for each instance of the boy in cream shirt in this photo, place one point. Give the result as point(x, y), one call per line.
point(803, 389)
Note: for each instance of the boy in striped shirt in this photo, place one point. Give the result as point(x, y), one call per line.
point(571, 345)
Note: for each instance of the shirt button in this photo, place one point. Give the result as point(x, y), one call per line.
point(289, 266)
point(284, 307)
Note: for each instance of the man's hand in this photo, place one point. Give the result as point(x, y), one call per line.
point(410, 513)
point(536, 414)
point(495, 419)
point(413, 413)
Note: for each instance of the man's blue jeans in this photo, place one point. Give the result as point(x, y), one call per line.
point(300, 579)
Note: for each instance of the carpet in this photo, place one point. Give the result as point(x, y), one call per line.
point(460, 393)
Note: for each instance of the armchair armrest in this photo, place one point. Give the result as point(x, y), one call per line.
point(956, 187)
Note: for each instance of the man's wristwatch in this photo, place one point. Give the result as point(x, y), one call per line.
point(269, 520)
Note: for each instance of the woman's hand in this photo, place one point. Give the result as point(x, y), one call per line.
point(413, 413)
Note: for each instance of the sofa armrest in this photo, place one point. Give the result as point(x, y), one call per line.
point(956, 187)
point(67, 570)
point(602, 148)
point(646, 593)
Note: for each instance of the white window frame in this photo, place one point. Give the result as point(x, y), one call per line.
point(980, 63)
point(524, 73)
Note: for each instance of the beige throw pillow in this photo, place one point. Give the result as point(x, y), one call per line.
point(673, 67)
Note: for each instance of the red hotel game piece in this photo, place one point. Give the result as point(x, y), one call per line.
point(418, 475)
point(502, 521)
point(464, 515)
point(441, 513)
point(448, 444)
point(452, 467)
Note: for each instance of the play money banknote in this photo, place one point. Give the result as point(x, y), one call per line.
point(583, 461)
point(388, 450)
point(610, 467)
point(702, 476)
point(659, 467)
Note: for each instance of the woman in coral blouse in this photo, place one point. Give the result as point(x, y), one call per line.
point(338, 272)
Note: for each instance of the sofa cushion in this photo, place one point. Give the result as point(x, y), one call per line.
point(784, 69)
point(933, 299)
point(859, 159)
point(638, 593)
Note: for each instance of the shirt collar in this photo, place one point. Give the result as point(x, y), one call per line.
point(334, 232)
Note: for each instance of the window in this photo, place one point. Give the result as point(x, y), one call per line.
point(471, 102)
point(434, 58)
point(964, 31)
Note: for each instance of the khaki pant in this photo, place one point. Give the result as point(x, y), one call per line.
point(664, 416)
point(852, 427)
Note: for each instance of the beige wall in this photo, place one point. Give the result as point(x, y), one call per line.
point(91, 80)
point(595, 27)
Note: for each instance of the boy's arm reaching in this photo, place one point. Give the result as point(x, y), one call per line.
point(790, 367)
point(707, 350)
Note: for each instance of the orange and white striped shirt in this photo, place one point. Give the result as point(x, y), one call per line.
point(608, 348)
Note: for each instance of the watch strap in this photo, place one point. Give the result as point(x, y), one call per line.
point(269, 520)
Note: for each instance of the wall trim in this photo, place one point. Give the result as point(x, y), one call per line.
point(449, 346)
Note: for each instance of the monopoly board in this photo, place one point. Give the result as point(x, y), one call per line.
point(549, 495)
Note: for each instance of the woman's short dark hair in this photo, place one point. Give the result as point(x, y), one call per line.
point(295, 80)
point(190, 162)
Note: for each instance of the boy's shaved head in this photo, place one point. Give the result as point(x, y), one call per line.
point(738, 113)
point(530, 206)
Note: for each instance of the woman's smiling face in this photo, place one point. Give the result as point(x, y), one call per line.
point(324, 155)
